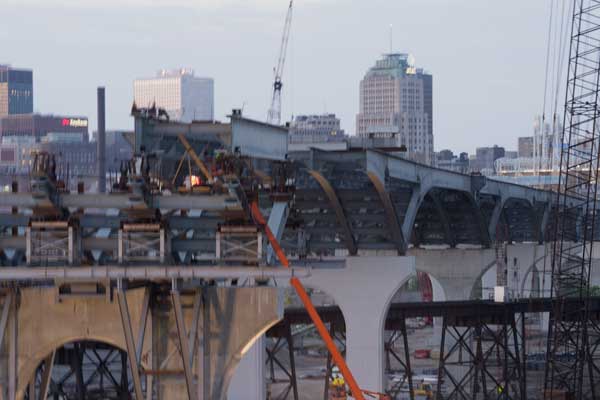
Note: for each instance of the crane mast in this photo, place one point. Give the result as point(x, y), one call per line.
point(274, 114)
point(570, 369)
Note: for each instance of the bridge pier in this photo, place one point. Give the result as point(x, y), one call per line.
point(363, 290)
point(190, 344)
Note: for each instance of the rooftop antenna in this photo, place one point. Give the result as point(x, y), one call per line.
point(391, 38)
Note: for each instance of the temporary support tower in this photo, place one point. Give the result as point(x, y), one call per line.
point(570, 371)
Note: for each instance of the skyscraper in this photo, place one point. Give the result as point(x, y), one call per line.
point(396, 101)
point(16, 91)
point(185, 97)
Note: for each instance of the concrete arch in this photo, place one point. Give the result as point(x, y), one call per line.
point(479, 279)
point(535, 275)
point(438, 292)
point(92, 319)
point(533, 269)
point(457, 271)
point(30, 374)
point(237, 356)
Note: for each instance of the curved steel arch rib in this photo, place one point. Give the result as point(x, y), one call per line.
point(339, 211)
point(393, 223)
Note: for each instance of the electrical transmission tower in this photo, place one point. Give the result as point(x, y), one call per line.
point(570, 370)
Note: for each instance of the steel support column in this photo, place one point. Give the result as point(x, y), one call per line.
point(142, 326)
point(416, 199)
point(495, 217)
point(195, 322)
point(4, 315)
point(183, 341)
point(12, 351)
point(277, 220)
point(128, 332)
point(290, 340)
point(46, 376)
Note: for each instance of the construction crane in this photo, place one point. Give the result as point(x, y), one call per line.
point(274, 114)
point(570, 369)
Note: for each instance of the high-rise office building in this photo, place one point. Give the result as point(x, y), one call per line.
point(16, 91)
point(184, 96)
point(396, 101)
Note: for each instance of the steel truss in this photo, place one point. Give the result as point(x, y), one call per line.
point(49, 242)
point(141, 242)
point(568, 341)
point(83, 370)
point(399, 337)
point(278, 345)
point(473, 368)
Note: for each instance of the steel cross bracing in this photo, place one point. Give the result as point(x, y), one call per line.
point(82, 370)
point(493, 371)
point(277, 345)
point(483, 348)
point(569, 359)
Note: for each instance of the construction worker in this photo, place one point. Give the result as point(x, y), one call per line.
point(500, 389)
point(337, 389)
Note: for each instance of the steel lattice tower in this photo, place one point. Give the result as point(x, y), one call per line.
point(570, 370)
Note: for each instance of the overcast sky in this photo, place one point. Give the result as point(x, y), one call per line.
point(487, 57)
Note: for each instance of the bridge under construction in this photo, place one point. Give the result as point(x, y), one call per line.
point(164, 283)
point(157, 288)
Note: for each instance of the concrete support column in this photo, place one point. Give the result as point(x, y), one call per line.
point(248, 382)
point(363, 290)
point(238, 318)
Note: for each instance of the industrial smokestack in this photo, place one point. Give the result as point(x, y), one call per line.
point(101, 143)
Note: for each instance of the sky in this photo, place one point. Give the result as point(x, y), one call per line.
point(487, 57)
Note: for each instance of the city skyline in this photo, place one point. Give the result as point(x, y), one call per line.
point(482, 92)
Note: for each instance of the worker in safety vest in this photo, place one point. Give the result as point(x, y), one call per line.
point(500, 388)
point(338, 385)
